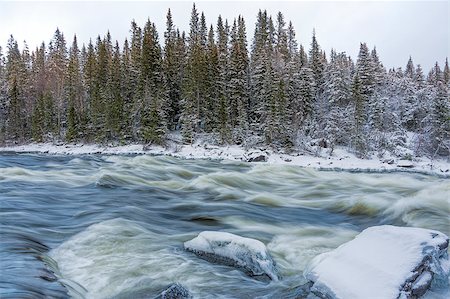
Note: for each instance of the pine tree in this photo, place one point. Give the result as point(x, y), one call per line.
point(172, 67)
point(16, 80)
point(440, 122)
point(435, 75)
point(258, 62)
point(359, 142)
point(193, 116)
point(212, 83)
point(127, 121)
point(92, 92)
point(410, 70)
point(316, 62)
point(3, 98)
point(114, 120)
point(281, 38)
point(303, 57)
point(337, 89)
point(101, 97)
point(365, 70)
point(135, 77)
point(419, 78)
point(268, 108)
point(42, 121)
point(446, 74)
point(239, 88)
point(292, 43)
point(307, 89)
point(223, 101)
point(379, 72)
point(153, 111)
point(74, 92)
point(57, 62)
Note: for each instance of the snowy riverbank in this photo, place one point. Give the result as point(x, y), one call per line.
point(340, 160)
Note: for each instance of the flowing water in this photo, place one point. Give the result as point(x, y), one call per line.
point(113, 226)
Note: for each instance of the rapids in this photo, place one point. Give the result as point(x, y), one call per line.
point(100, 226)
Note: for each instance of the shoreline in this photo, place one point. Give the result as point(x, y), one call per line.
point(341, 160)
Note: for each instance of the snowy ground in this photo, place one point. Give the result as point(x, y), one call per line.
point(340, 160)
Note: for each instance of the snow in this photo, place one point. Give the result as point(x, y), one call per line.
point(378, 262)
point(340, 160)
point(423, 279)
point(250, 254)
point(405, 163)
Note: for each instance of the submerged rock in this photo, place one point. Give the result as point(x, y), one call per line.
point(248, 255)
point(175, 291)
point(382, 262)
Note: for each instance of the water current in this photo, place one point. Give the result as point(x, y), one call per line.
point(98, 226)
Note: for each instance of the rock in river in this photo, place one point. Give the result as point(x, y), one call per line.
point(257, 156)
point(175, 291)
point(382, 262)
point(248, 255)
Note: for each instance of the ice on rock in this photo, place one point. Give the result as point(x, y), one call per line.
point(248, 255)
point(382, 262)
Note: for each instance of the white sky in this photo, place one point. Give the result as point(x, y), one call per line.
point(397, 28)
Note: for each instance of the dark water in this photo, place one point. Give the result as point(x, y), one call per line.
point(105, 226)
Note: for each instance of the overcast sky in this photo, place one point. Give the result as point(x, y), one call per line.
point(397, 28)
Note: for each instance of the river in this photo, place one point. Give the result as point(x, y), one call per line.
point(114, 226)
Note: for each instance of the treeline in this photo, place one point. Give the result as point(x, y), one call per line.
point(206, 83)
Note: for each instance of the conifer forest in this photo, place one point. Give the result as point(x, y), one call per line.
point(217, 82)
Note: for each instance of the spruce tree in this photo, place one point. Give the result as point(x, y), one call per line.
point(57, 65)
point(193, 87)
point(92, 92)
point(212, 83)
point(135, 77)
point(435, 75)
point(239, 87)
point(446, 74)
point(16, 79)
point(172, 67)
point(440, 122)
point(365, 69)
point(3, 98)
point(316, 62)
point(419, 78)
point(410, 69)
point(126, 123)
point(359, 142)
point(101, 97)
point(337, 93)
point(153, 107)
point(224, 107)
point(74, 92)
point(114, 120)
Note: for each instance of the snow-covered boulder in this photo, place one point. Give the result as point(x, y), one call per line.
point(248, 255)
point(405, 164)
point(382, 262)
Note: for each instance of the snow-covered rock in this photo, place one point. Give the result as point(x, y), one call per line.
point(257, 156)
point(405, 164)
point(382, 262)
point(248, 255)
